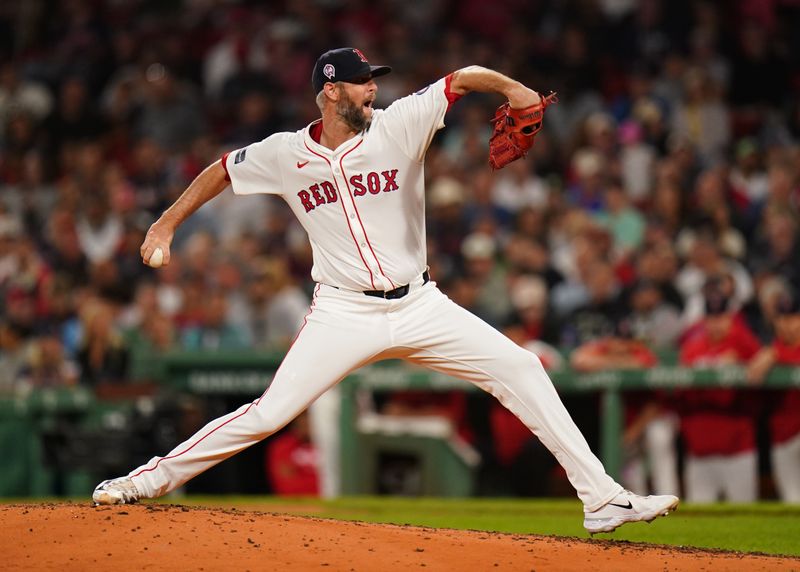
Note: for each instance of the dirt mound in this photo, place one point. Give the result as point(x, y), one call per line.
point(150, 536)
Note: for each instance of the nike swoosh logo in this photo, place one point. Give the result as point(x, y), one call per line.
point(301, 165)
point(629, 505)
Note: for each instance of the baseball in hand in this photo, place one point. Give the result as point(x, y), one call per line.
point(157, 258)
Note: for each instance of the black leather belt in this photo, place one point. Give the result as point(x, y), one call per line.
point(397, 292)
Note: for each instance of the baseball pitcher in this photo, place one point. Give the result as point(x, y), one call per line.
point(355, 180)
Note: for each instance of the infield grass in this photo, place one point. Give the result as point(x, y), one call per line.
point(765, 527)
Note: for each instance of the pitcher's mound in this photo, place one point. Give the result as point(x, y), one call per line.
point(151, 536)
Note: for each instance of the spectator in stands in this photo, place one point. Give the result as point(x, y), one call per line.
point(782, 193)
point(170, 115)
point(617, 349)
point(63, 318)
point(99, 230)
point(588, 189)
point(10, 231)
point(479, 253)
point(531, 320)
point(575, 251)
point(597, 317)
point(517, 187)
point(777, 250)
point(31, 197)
point(149, 175)
point(760, 313)
point(291, 461)
point(21, 138)
point(652, 319)
point(703, 118)
point(27, 289)
point(482, 212)
point(63, 247)
point(650, 424)
point(624, 222)
point(718, 425)
point(784, 417)
point(144, 303)
point(748, 177)
point(74, 119)
point(704, 262)
point(13, 355)
point(47, 366)
point(18, 94)
point(464, 144)
point(637, 160)
point(526, 255)
point(658, 263)
point(446, 222)
point(214, 332)
point(153, 336)
point(712, 212)
point(668, 211)
point(273, 307)
point(102, 354)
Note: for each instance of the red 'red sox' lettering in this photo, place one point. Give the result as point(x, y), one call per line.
point(330, 191)
point(317, 196)
point(324, 192)
point(355, 182)
point(373, 183)
point(389, 177)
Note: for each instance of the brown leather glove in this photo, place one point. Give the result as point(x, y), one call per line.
point(515, 130)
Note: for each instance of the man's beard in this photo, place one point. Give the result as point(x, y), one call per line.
point(353, 115)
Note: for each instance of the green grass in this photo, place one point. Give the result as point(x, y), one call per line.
point(766, 527)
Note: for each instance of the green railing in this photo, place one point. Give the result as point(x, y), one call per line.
point(248, 374)
point(610, 383)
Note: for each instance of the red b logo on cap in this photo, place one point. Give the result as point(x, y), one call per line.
point(360, 55)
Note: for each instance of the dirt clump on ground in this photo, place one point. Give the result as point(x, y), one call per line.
point(70, 536)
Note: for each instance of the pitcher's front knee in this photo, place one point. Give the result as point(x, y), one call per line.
point(522, 363)
point(265, 421)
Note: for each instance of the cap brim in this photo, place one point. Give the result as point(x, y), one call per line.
point(378, 71)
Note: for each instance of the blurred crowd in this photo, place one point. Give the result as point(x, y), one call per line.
point(655, 219)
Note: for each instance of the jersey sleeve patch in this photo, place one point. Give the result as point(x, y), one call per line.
point(256, 168)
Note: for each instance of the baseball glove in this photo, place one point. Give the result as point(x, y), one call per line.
point(515, 130)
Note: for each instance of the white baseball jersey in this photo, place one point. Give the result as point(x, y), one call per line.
point(362, 204)
point(363, 208)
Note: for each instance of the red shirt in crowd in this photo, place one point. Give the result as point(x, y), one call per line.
point(718, 421)
point(292, 466)
point(784, 423)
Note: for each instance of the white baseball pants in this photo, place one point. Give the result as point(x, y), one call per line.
point(346, 330)
point(733, 477)
point(659, 459)
point(786, 469)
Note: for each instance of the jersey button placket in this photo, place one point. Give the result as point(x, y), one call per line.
point(358, 230)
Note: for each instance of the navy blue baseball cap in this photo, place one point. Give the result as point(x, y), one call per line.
point(343, 64)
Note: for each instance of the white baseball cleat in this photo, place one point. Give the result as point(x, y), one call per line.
point(628, 507)
point(116, 491)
